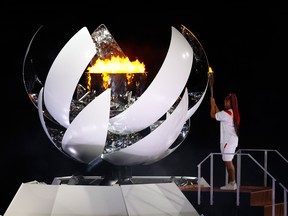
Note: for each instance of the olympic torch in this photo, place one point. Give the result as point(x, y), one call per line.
point(211, 80)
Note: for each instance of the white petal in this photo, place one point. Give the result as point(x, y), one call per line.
point(193, 109)
point(65, 74)
point(85, 138)
point(158, 141)
point(162, 92)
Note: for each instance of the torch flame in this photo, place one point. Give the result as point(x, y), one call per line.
point(116, 65)
point(210, 71)
point(211, 80)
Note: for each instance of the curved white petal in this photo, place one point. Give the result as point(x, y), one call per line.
point(85, 138)
point(162, 93)
point(41, 115)
point(65, 73)
point(193, 109)
point(158, 141)
point(190, 112)
point(162, 155)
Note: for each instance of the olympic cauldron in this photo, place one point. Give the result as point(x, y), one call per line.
point(90, 116)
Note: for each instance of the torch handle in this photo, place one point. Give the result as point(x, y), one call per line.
point(211, 84)
point(211, 91)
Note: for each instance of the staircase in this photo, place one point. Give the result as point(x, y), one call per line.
point(254, 200)
point(251, 200)
point(262, 197)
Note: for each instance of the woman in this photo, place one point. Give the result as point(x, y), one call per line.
point(229, 119)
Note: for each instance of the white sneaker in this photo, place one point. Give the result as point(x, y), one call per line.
point(229, 186)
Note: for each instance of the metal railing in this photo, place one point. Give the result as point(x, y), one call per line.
point(284, 198)
point(239, 154)
point(265, 152)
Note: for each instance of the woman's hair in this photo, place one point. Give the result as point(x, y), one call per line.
point(234, 106)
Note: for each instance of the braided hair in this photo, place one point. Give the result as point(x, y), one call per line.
point(234, 106)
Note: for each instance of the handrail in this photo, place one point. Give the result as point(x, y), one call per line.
point(265, 150)
point(265, 158)
point(211, 155)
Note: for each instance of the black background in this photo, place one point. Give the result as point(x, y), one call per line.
point(244, 45)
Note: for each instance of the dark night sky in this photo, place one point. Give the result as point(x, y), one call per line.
point(244, 45)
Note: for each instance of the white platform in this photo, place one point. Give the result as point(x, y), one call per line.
point(78, 200)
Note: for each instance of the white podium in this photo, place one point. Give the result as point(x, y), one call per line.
point(87, 200)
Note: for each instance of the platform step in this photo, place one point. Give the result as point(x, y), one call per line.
point(254, 200)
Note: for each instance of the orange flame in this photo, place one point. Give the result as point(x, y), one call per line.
point(116, 65)
point(210, 70)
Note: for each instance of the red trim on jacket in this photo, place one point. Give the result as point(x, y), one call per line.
point(229, 112)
